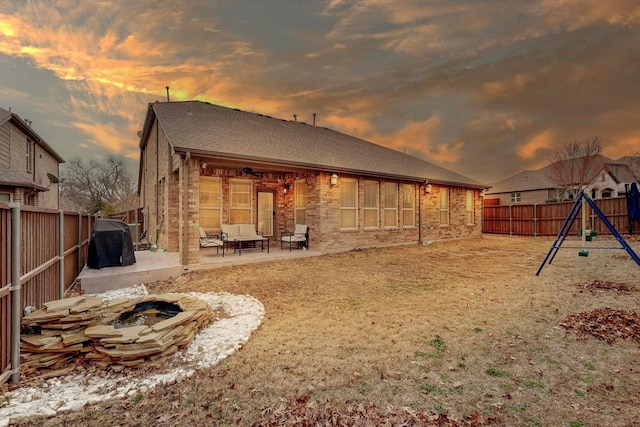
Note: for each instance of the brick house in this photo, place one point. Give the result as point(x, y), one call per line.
point(29, 167)
point(207, 165)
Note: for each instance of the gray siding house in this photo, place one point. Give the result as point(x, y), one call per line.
point(29, 167)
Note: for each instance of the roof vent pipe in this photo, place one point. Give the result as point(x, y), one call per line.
point(295, 117)
point(314, 119)
point(167, 87)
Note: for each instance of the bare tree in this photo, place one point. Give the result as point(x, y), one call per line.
point(96, 186)
point(576, 166)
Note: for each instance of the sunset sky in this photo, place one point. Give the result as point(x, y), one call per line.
point(485, 88)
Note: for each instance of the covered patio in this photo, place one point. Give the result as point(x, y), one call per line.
point(154, 266)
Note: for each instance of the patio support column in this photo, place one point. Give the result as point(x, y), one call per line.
point(185, 210)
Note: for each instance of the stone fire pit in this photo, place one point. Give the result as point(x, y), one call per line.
point(83, 329)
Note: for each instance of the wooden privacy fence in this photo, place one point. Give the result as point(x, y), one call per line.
point(547, 219)
point(135, 219)
point(42, 252)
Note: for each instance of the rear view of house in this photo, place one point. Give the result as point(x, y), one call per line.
point(29, 167)
point(205, 165)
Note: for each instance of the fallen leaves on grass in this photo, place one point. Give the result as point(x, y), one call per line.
point(304, 412)
point(606, 324)
point(604, 285)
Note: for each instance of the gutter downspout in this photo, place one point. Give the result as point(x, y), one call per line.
point(157, 177)
point(420, 211)
point(185, 210)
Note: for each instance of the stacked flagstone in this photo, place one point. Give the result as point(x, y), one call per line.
point(71, 330)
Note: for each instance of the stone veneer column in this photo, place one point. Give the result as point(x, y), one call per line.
point(190, 223)
point(173, 215)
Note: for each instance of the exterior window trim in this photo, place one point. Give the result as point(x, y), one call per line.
point(516, 197)
point(387, 185)
point(299, 212)
point(218, 182)
point(412, 209)
point(471, 212)
point(231, 201)
point(375, 206)
point(29, 155)
point(350, 208)
point(444, 207)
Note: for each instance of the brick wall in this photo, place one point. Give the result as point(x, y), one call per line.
point(458, 226)
point(322, 208)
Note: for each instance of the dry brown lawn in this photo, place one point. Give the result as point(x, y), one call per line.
point(461, 330)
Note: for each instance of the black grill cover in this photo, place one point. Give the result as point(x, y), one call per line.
point(110, 244)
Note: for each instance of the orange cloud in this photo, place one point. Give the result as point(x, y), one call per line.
point(416, 135)
point(350, 125)
point(448, 154)
point(622, 146)
point(542, 141)
point(9, 26)
point(580, 13)
point(507, 87)
point(108, 136)
point(418, 138)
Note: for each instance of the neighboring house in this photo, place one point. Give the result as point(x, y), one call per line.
point(29, 167)
point(537, 186)
point(207, 165)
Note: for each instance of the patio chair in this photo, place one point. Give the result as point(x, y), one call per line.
point(211, 241)
point(299, 237)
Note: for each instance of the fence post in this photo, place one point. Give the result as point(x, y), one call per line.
point(137, 236)
point(483, 211)
point(79, 266)
point(16, 238)
point(61, 251)
point(535, 219)
point(510, 220)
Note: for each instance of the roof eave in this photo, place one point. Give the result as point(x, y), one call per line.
point(29, 185)
point(315, 167)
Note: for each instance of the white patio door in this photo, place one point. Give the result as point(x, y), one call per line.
point(265, 213)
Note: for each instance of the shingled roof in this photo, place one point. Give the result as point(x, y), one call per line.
point(14, 179)
point(541, 179)
point(527, 180)
point(205, 129)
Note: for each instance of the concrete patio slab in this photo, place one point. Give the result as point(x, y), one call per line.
point(153, 266)
point(149, 267)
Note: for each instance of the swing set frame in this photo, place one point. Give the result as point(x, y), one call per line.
point(566, 226)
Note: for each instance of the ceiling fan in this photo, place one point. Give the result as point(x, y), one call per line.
point(250, 171)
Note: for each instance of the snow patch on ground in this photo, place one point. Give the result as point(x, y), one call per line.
point(210, 345)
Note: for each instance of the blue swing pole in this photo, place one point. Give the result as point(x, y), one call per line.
point(562, 234)
point(613, 231)
point(568, 222)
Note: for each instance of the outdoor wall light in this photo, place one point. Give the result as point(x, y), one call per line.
point(204, 165)
point(333, 180)
point(285, 188)
point(428, 188)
